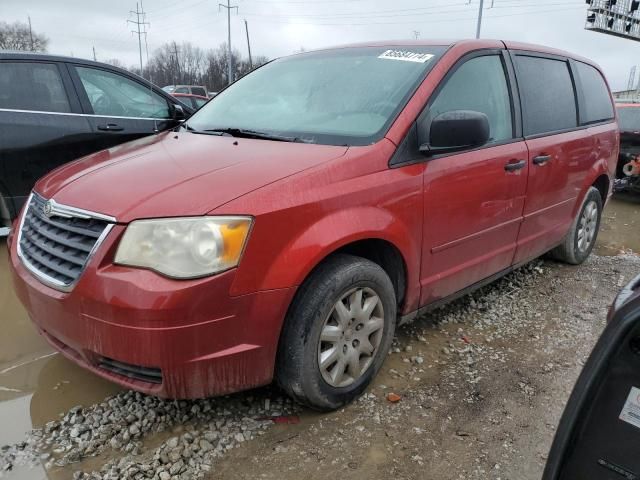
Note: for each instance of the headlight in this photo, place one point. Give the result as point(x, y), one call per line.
point(184, 247)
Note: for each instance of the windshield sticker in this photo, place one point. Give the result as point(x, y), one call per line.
point(406, 56)
point(631, 410)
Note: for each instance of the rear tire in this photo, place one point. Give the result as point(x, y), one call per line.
point(337, 333)
point(581, 239)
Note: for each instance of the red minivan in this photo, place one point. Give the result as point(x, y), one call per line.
point(291, 224)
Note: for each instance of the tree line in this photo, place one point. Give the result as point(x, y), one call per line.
point(18, 36)
point(187, 64)
point(171, 64)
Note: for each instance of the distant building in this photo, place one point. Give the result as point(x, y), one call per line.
point(632, 96)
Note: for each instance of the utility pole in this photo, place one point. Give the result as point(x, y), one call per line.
point(30, 33)
point(246, 27)
point(94, 54)
point(140, 28)
point(176, 77)
point(416, 34)
point(479, 19)
point(228, 6)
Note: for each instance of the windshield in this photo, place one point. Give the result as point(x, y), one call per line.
point(340, 97)
point(629, 118)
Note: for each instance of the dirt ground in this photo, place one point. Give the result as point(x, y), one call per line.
point(482, 384)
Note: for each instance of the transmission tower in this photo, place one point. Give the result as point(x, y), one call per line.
point(140, 30)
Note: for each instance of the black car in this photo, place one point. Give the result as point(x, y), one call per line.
point(628, 173)
point(599, 434)
point(56, 109)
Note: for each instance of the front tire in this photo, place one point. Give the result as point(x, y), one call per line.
point(581, 239)
point(337, 333)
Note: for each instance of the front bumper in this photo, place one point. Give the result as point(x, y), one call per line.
point(198, 339)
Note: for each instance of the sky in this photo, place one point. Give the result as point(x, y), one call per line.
point(281, 27)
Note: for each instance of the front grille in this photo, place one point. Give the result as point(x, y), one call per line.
point(136, 372)
point(56, 246)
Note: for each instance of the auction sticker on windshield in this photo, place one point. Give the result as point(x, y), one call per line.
point(406, 56)
point(631, 410)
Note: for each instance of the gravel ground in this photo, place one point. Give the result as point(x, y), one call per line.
point(472, 391)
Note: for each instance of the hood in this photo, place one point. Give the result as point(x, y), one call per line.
point(177, 174)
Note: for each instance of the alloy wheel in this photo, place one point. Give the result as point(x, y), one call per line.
point(350, 337)
point(588, 225)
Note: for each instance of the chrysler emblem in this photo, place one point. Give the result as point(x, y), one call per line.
point(47, 209)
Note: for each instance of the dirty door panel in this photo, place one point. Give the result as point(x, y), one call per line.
point(473, 200)
point(560, 154)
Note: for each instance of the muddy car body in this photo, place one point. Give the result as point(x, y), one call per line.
point(325, 226)
point(628, 172)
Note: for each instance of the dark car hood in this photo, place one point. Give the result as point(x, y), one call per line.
point(177, 174)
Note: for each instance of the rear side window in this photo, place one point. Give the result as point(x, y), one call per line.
point(181, 90)
point(480, 84)
point(112, 94)
point(32, 86)
point(596, 105)
point(548, 97)
point(199, 91)
point(199, 102)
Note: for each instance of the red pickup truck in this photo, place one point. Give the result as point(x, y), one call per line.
point(289, 226)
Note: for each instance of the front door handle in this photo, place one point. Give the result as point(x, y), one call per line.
point(541, 159)
point(110, 127)
point(514, 165)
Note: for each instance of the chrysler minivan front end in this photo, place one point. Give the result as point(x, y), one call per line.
point(130, 263)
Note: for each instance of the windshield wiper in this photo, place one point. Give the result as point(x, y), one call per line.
point(245, 133)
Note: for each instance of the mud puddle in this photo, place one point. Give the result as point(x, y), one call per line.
point(620, 230)
point(36, 384)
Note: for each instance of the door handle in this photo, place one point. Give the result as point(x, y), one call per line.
point(110, 127)
point(514, 165)
point(541, 159)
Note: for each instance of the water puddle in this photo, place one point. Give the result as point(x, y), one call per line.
point(620, 230)
point(36, 383)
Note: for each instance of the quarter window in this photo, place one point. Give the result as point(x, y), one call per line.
point(115, 95)
point(480, 84)
point(597, 106)
point(548, 97)
point(199, 91)
point(32, 86)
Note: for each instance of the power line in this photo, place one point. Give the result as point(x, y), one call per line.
point(457, 19)
point(407, 12)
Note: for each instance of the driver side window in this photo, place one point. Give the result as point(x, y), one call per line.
point(480, 85)
point(115, 95)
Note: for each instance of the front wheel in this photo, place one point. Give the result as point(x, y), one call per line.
point(337, 333)
point(582, 236)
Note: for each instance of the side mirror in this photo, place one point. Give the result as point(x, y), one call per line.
point(178, 113)
point(599, 432)
point(456, 131)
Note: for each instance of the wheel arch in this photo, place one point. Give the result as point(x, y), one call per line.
point(597, 177)
point(366, 231)
point(381, 252)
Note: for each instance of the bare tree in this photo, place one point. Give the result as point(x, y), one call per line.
point(186, 64)
point(115, 62)
point(17, 36)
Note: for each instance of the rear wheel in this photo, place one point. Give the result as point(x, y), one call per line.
point(337, 333)
point(581, 239)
